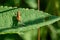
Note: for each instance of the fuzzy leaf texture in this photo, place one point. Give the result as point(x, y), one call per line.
point(32, 19)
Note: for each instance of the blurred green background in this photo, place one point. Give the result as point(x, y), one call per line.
point(51, 32)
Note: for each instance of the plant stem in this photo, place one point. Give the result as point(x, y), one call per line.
point(38, 28)
point(38, 4)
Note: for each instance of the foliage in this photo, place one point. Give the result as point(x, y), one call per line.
point(33, 19)
point(20, 3)
point(50, 6)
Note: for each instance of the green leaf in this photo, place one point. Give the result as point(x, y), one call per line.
point(32, 3)
point(33, 19)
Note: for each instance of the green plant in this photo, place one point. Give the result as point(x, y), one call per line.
point(20, 3)
point(33, 19)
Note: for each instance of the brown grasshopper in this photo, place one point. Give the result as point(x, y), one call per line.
point(19, 18)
